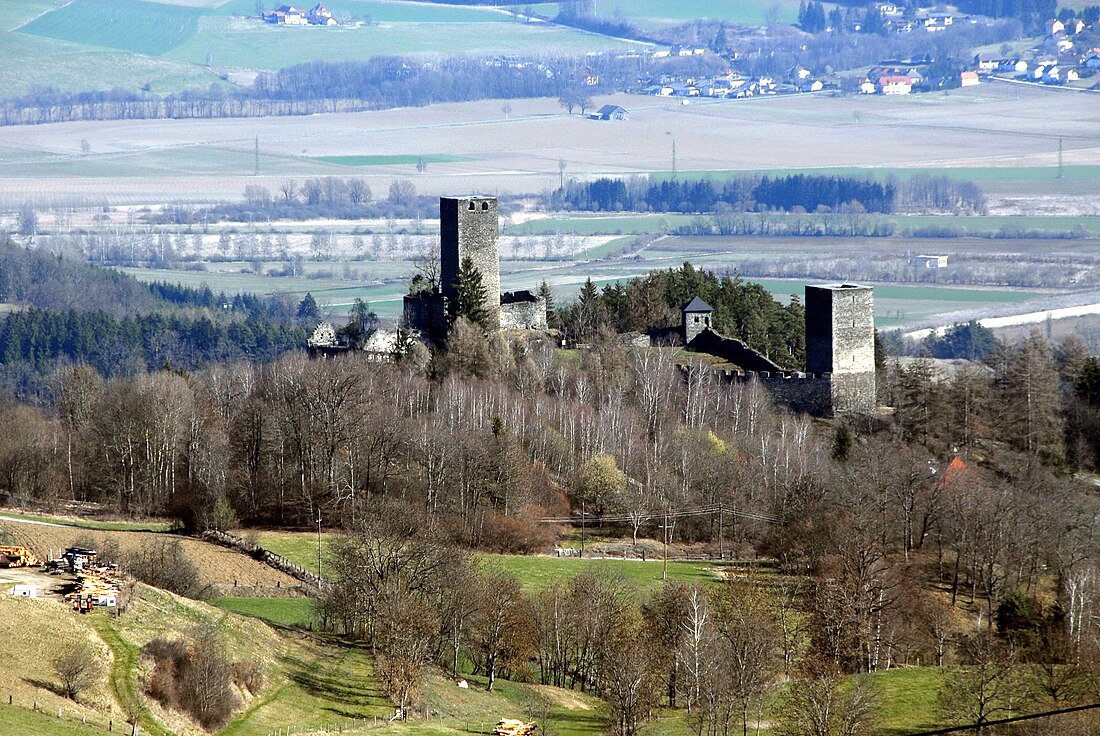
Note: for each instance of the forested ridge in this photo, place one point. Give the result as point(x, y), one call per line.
point(70, 312)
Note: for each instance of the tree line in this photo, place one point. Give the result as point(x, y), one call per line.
point(808, 193)
point(36, 340)
point(378, 83)
point(743, 310)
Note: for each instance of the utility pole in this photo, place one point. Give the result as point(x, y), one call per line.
point(256, 171)
point(664, 528)
point(721, 546)
point(582, 527)
point(1059, 157)
point(318, 544)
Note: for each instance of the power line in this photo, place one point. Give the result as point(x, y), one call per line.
point(661, 515)
point(1001, 722)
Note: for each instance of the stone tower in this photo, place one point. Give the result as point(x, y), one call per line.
point(696, 316)
point(840, 339)
point(469, 226)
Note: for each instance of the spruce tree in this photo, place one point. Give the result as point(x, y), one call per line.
point(469, 295)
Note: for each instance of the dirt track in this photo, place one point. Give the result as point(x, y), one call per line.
point(216, 566)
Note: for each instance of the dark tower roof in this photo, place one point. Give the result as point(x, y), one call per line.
point(697, 305)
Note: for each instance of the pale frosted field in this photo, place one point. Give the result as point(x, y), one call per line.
point(999, 126)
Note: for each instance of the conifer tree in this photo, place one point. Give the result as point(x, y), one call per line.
point(469, 297)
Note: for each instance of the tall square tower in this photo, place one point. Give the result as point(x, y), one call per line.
point(840, 339)
point(470, 227)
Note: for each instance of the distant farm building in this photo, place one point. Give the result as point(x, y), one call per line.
point(969, 79)
point(288, 15)
point(610, 112)
point(929, 261)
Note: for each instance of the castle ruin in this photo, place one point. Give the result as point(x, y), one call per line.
point(840, 352)
point(469, 227)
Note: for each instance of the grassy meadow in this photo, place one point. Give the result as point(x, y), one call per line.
point(168, 46)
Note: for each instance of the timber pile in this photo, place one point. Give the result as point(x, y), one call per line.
point(102, 587)
point(514, 727)
point(17, 557)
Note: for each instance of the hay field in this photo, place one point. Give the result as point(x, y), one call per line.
point(169, 160)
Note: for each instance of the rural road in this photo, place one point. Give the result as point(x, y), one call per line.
point(31, 521)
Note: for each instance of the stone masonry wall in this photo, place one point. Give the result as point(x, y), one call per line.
point(469, 226)
point(840, 339)
point(523, 314)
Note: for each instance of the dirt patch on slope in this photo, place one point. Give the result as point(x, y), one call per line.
point(564, 698)
point(223, 570)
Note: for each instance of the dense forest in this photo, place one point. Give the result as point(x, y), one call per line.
point(70, 312)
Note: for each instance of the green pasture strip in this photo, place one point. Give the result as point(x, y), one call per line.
point(35, 61)
point(282, 611)
point(393, 160)
point(298, 547)
point(16, 720)
point(325, 685)
point(105, 526)
point(909, 699)
point(123, 676)
point(257, 45)
point(537, 572)
point(480, 710)
point(128, 25)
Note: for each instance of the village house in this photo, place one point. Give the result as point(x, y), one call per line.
point(986, 63)
point(1092, 61)
point(895, 85)
point(319, 15)
point(1054, 26)
point(969, 79)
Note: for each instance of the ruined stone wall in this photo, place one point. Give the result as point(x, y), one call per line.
point(803, 392)
point(425, 313)
point(523, 314)
point(733, 351)
point(469, 227)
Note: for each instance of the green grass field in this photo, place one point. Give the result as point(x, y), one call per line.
point(535, 572)
point(257, 45)
point(908, 699)
point(538, 572)
point(127, 25)
point(282, 611)
point(396, 160)
point(130, 526)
